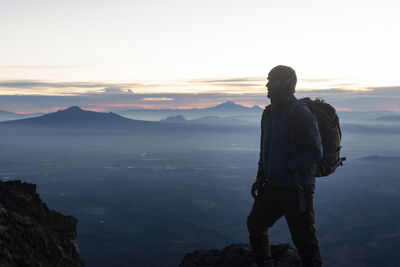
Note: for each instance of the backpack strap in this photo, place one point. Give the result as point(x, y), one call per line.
point(266, 112)
point(301, 101)
point(296, 176)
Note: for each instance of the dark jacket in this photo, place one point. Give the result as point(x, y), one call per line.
point(289, 145)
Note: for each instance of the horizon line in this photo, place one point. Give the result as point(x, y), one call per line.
point(239, 85)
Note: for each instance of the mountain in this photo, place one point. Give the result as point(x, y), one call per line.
point(74, 116)
point(353, 127)
point(8, 113)
point(226, 109)
point(175, 119)
point(378, 158)
point(30, 233)
point(369, 128)
point(207, 120)
point(230, 106)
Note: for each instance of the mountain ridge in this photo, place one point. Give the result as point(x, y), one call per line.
point(225, 109)
point(206, 120)
point(74, 116)
point(5, 112)
point(224, 105)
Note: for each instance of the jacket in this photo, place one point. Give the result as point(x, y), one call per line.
point(288, 145)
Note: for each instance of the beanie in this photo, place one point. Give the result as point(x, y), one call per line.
point(284, 73)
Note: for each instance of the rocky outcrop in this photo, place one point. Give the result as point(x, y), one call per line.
point(240, 255)
point(30, 233)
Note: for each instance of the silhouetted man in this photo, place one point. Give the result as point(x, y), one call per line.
point(290, 147)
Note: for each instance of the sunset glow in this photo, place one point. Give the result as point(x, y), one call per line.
point(154, 49)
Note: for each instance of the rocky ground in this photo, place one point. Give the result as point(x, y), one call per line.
point(33, 235)
point(239, 255)
point(30, 233)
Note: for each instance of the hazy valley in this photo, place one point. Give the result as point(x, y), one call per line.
point(145, 193)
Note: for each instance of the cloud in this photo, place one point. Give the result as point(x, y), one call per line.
point(36, 87)
point(233, 83)
point(235, 80)
point(239, 82)
point(244, 85)
point(34, 84)
point(198, 93)
point(41, 67)
point(21, 84)
point(118, 102)
point(376, 99)
point(158, 98)
point(316, 80)
point(117, 90)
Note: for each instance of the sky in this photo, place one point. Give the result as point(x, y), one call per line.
point(188, 47)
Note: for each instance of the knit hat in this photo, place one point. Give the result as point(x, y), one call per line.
point(285, 74)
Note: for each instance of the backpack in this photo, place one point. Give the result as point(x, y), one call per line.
point(331, 135)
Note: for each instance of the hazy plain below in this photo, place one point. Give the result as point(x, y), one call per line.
point(145, 196)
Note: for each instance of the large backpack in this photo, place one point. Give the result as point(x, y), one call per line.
point(331, 135)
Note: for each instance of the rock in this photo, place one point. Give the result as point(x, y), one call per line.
point(30, 233)
point(240, 255)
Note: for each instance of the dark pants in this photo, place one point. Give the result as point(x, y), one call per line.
point(271, 204)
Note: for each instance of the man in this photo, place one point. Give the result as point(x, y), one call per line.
point(289, 149)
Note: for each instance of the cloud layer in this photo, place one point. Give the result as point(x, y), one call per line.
point(113, 98)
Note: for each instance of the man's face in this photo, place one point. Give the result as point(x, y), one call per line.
point(273, 85)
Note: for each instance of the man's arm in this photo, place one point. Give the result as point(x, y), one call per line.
point(307, 135)
point(260, 172)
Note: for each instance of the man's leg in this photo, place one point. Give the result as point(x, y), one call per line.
point(302, 226)
point(264, 214)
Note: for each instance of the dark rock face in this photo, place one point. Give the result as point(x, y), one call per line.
point(240, 255)
point(30, 233)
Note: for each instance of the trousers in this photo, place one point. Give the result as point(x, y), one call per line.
point(271, 204)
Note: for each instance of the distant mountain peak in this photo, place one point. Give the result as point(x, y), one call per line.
point(74, 108)
point(227, 104)
point(178, 118)
point(5, 112)
point(75, 116)
point(256, 107)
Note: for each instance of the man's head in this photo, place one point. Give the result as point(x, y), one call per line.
point(281, 81)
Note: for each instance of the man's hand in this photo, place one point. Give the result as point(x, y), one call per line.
point(255, 189)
